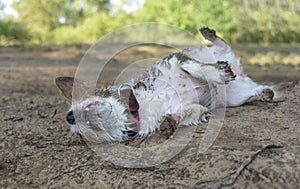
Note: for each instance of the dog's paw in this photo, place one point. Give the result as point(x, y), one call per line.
point(205, 117)
point(208, 34)
point(267, 95)
point(225, 71)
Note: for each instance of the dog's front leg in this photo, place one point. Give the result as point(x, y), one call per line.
point(193, 114)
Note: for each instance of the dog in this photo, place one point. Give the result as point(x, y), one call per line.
point(185, 86)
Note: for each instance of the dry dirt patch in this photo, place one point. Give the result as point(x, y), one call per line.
point(258, 146)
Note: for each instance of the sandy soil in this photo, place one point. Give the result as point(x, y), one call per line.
point(258, 146)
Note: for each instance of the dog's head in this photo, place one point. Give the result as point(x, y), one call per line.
point(111, 115)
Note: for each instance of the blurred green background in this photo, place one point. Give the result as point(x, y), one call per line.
point(268, 30)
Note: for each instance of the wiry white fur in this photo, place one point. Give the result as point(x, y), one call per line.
point(239, 91)
point(173, 92)
point(114, 117)
point(184, 85)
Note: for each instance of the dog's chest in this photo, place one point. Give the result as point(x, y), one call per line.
point(165, 89)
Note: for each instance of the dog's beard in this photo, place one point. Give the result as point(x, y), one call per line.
point(102, 119)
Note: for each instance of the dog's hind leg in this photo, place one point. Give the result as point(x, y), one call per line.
point(221, 50)
point(219, 72)
point(220, 45)
point(244, 90)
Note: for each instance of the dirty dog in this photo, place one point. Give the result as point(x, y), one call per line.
point(185, 86)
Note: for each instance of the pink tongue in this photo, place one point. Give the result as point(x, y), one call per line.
point(135, 126)
point(95, 103)
point(137, 120)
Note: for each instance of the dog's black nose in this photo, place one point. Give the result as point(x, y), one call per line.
point(70, 118)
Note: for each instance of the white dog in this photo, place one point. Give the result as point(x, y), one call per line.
point(184, 86)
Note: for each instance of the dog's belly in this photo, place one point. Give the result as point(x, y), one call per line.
point(174, 89)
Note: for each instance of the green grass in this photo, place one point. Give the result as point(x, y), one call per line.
point(275, 54)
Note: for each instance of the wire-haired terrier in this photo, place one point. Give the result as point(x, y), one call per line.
point(185, 86)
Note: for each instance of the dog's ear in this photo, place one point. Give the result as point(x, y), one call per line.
point(65, 84)
point(128, 97)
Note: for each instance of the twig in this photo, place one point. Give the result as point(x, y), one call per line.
point(244, 166)
point(216, 179)
point(120, 180)
point(42, 144)
point(261, 175)
point(103, 184)
point(14, 119)
point(149, 168)
point(54, 113)
point(73, 170)
point(164, 170)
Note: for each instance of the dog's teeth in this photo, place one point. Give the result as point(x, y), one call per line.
point(87, 109)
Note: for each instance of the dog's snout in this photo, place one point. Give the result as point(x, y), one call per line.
point(70, 118)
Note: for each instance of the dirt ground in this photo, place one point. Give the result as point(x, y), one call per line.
point(258, 146)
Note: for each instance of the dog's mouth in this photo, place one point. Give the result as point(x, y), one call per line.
point(133, 127)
